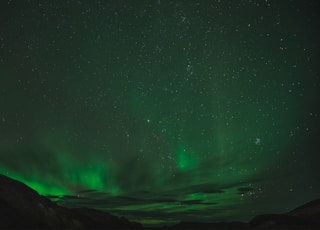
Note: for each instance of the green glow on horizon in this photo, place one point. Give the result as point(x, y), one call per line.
point(92, 174)
point(43, 188)
point(88, 177)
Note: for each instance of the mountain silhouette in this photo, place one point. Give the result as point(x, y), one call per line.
point(306, 216)
point(23, 208)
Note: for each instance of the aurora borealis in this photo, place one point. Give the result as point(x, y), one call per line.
point(162, 111)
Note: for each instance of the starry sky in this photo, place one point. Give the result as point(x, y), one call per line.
point(162, 110)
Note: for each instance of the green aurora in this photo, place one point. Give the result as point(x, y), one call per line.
point(162, 111)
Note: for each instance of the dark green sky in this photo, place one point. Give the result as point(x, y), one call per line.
point(162, 110)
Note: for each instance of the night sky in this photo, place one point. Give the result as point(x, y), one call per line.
point(162, 111)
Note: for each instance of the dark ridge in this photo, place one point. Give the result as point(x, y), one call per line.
point(306, 216)
point(310, 208)
point(279, 220)
point(23, 208)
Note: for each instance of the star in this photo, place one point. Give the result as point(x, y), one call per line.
point(257, 141)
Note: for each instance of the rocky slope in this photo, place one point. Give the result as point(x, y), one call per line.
point(23, 208)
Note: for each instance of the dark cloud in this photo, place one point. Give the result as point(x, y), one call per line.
point(194, 202)
point(70, 197)
point(88, 191)
point(165, 201)
point(243, 190)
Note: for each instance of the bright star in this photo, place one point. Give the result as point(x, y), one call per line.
point(257, 141)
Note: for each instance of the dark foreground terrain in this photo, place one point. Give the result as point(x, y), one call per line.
point(23, 208)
